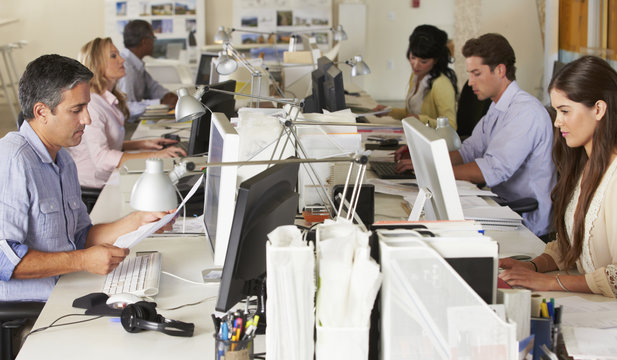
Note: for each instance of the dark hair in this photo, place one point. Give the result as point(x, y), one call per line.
point(429, 42)
point(494, 49)
point(585, 81)
point(44, 80)
point(135, 31)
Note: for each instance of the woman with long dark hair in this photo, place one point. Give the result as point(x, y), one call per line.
point(584, 94)
point(432, 85)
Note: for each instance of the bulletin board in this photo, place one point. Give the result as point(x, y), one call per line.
point(172, 21)
point(282, 16)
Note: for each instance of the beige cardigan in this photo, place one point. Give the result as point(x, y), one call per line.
point(598, 260)
point(439, 101)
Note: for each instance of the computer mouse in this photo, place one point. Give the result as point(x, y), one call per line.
point(172, 136)
point(120, 301)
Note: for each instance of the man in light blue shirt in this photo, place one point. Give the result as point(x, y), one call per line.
point(510, 148)
point(140, 88)
point(45, 230)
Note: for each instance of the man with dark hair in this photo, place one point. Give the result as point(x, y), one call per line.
point(140, 88)
point(510, 147)
point(46, 230)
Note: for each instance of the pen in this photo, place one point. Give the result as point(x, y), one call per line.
point(544, 310)
point(551, 309)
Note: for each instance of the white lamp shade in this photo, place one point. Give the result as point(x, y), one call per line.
point(226, 65)
point(154, 191)
point(340, 34)
point(221, 36)
point(188, 108)
point(359, 67)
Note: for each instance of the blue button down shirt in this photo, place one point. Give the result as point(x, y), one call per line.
point(40, 208)
point(140, 88)
point(512, 146)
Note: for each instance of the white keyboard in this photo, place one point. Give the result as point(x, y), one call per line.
point(136, 275)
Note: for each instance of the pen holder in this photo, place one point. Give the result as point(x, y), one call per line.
point(341, 343)
point(233, 350)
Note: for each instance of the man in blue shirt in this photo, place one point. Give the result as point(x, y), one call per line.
point(45, 230)
point(510, 148)
point(140, 88)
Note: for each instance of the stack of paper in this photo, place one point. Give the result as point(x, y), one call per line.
point(290, 265)
point(494, 217)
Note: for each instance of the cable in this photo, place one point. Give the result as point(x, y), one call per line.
point(53, 323)
point(183, 279)
point(190, 304)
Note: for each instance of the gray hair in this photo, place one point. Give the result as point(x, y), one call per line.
point(46, 78)
point(135, 31)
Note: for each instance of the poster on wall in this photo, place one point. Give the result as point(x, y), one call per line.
point(177, 24)
point(283, 17)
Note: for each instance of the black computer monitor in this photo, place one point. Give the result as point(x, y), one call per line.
point(334, 92)
point(204, 70)
point(216, 102)
point(264, 202)
point(318, 76)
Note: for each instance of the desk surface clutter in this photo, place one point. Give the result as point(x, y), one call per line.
point(188, 255)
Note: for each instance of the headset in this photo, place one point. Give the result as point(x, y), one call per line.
point(142, 316)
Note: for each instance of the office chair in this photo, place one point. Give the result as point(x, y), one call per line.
point(19, 120)
point(519, 206)
point(470, 110)
point(89, 196)
point(13, 315)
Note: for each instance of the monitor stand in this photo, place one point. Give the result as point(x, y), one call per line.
point(423, 195)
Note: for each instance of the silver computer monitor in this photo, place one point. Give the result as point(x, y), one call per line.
point(431, 162)
point(220, 194)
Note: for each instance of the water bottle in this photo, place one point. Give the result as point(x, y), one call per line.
point(447, 133)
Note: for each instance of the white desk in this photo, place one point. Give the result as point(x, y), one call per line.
point(106, 339)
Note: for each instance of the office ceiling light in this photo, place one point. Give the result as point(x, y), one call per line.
point(358, 66)
point(153, 191)
point(340, 34)
point(221, 36)
point(188, 107)
point(226, 65)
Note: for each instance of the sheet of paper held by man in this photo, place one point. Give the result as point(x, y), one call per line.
point(133, 238)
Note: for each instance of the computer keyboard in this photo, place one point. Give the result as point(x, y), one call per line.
point(387, 170)
point(136, 275)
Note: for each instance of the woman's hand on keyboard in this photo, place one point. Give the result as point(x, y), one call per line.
point(102, 259)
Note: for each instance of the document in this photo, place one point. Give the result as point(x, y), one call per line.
point(584, 313)
point(135, 237)
point(589, 343)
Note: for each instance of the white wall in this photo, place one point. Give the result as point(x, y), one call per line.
point(59, 26)
point(63, 26)
point(390, 22)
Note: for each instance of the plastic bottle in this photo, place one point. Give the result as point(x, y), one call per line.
point(448, 133)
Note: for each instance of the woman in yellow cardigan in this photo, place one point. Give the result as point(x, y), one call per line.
point(432, 85)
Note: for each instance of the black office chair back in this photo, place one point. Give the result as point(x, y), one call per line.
point(470, 111)
point(13, 316)
point(20, 119)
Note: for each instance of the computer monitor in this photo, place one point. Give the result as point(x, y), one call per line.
point(431, 162)
point(220, 185)
point(204, 69)
point(334, 90)
point(264, 202)
point(168, 48)
point(216, 102)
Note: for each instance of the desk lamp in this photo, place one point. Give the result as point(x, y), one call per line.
point(154, 190)
point(221, 36)
point(227, 64)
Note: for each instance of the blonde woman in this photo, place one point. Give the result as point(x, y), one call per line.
point(103, 147)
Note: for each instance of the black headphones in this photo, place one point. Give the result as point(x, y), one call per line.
point(142, 316)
